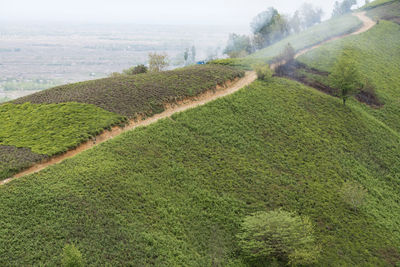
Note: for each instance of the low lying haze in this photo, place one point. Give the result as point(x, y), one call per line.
point(206, 12)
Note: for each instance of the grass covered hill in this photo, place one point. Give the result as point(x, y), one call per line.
point(312, 36)
point(143, 94)
point(51, 122)
point(389, 11)
point(175, 193)
point(377, 53)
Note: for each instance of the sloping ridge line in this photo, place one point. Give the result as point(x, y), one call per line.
point(202, 99)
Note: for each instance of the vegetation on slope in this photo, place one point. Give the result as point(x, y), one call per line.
point(312, 36)
point(46, 129)
point(377, 53)
point(13, 159)
point(176, 192)
point(390, 11)
point(378, 3)
point(143, 94)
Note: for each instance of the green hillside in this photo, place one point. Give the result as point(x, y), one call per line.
point(377, 53)
point(142, 94)
point(312, 36)
point(51, 122)
point(174, 193)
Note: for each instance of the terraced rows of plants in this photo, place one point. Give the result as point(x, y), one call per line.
point(377, 53)
point(175, 193)
point(48, 123)
point(32, 132)
point(143, 94)
point(312, 36)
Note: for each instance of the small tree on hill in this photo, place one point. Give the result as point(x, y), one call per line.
point(135, 70)
point(264, 72)
point(158, 62)
point(345, 77)
point(279, 235)
point(71, 257)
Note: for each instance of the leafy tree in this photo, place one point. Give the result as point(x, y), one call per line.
point(310, 15)
point(71, 257)
point(268, 27)
point(296, 22)
point(278, 235)
point(238, 45)
point(193, 54)
point(136, 70)
point(288, 54)
point(158, 62)
point(353, 194)
point(186, 55)
point(345, 76)
point(343, 7)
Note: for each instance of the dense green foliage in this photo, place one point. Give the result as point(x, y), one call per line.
point(52, 128)
point(71, 257)
point(278, 235)
point(377, 53)
point(264, 72)
point(345, 76)
point(175, 193)
point(13, 159)
point(143, 94)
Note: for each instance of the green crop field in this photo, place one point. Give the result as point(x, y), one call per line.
point(30, 132)
point(143, 94)
point(377, 53)
point(43, 129)
point(314, 35)
point(174, 193)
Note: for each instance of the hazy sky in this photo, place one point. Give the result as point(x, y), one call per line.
point(148, 11)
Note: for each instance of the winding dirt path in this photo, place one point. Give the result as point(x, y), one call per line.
point(189, 103)
point(367, 24)
point(202, 99)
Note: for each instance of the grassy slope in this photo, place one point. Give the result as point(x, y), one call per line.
point(143, 94)
point(378, 55)
point(378, 3)
point(31, 132)
point(52, 128)
point(314, 35)
point(174, 193)
point(47, 129)
point(390, 11)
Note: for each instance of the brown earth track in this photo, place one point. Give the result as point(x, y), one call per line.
point(202, 99)
point(221, 91)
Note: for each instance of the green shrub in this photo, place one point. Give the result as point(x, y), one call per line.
point(264, 71)
point(71, 257)
point(278, 235)
point(353, 194)
point(136, 70)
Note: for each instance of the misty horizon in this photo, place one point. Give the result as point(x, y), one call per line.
point(154, 12)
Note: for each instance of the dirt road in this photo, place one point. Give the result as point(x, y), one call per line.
point(202, 99)
point(184, 105)
point(367, 24)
